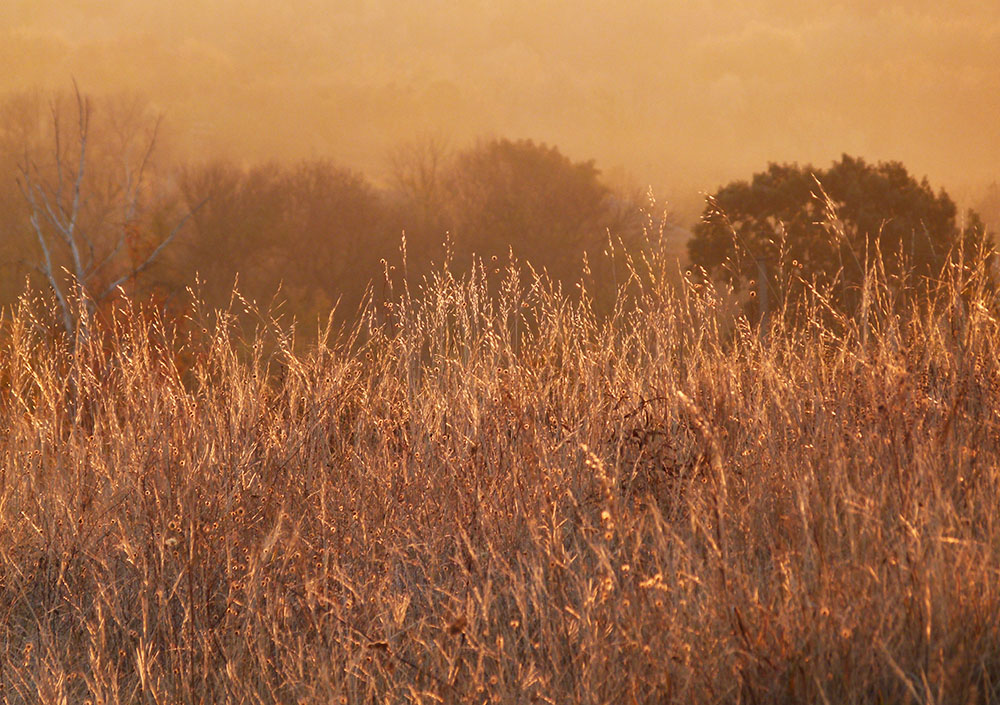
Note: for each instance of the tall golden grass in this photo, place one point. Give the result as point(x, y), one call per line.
point(487, 494)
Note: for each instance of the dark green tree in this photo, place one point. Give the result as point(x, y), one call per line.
point(789, 225)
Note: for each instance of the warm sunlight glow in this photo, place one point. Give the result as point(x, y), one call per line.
point(499, 351)
point(681, 95)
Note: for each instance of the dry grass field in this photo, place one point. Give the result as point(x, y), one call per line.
point(486, 494)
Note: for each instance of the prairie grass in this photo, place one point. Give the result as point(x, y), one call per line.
point(484, 494)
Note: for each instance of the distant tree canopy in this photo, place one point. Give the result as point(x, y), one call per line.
point(501, 195)
point(988, 206)
point(315, 228)
point(829, 224)
point(532, 198)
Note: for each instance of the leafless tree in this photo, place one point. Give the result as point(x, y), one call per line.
point(417, 172)
point(81, 236)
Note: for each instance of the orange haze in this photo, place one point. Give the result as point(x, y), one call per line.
point(683, 95)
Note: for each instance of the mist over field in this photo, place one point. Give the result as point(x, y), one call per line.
point(345, 356)
point(683, 96)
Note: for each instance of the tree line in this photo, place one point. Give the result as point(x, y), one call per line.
point(91, 207)
point(87, 201)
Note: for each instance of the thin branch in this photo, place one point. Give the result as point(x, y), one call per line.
point(110, 256)
point(27, 167)
point(58, 144)
point(63, 304)
point(90, 249)
point(154, 254)
point(132, 201)
point(83, 121)
point(64, 228)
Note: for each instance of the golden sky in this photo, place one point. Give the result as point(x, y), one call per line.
point(681, 95)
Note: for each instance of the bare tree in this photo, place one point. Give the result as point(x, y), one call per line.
point(417, 172)
point(83, 217)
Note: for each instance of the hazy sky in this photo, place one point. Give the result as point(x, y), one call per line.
point(683, 95)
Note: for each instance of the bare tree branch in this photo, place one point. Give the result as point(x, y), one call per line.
point(93, 271)
point(132, 199)
point(154, 254)
point(63, 228)
point(49, 274)
point(83, 120)
point(57, 136)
